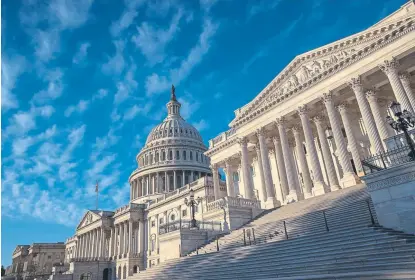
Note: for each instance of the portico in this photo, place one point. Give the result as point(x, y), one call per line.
point(306, 133)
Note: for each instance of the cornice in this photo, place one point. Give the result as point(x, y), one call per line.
point(394, 31)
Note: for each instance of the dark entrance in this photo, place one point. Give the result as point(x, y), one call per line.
point(105, 274)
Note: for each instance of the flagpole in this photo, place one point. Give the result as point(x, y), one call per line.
point(96, 190)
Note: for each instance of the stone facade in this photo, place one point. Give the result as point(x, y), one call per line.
point(307, 132)
point(31, 261)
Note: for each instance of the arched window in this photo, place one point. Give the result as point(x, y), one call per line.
point(124, 272)
point(184, 155)
point(191, 155)
point(173, 217)
point(177, 154)
point(157, 156)
point(163, 155)
point(170, 155)
point(197, 156)
point(153, 243)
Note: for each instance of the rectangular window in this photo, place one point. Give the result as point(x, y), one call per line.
point(184, 213)
point(161, 221)
point(49, 257)
point(191, 155)
point(153, 223)
point(177, 154)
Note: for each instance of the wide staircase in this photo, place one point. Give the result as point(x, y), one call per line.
point(335, 236)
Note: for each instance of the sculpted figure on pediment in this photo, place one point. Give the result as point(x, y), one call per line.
point(304, 74)
point(315, 68)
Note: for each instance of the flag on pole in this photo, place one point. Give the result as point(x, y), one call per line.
point(96, 187)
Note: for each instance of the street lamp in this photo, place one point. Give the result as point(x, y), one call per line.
point(192, 203)
point(404, 121)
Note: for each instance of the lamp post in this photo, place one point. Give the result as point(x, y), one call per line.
point(404, 120)
point(192, 203)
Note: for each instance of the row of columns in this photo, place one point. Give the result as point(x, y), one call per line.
point(91, 244)
point(375, 126)
point(184, 154)
point(157, 183)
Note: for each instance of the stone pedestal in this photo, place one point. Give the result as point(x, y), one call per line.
point(319, 189)
point(271, 203)
point(393, 194)
point(349, 180)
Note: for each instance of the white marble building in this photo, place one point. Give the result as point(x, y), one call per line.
point(304, 135)
point(307, 131)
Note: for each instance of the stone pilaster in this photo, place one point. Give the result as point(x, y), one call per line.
point(288, 160)
point(349, 178)
point(305, 173)
point(130, 236)
point(281, 167)
point(377, 115)
point(320, 186)
point(368, 120)
point(246, 173)
point(325, 149)
point(406, 83)
point(390, 68)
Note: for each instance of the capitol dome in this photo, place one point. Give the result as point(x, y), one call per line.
point(172, 156)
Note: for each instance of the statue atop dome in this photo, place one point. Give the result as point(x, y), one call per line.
point(173, 93)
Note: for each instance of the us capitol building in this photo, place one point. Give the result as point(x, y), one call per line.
point(304, 135)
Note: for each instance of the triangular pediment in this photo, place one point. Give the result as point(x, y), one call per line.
point(89, 218)
point(306, 68)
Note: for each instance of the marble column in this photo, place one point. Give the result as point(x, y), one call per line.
point(308, 184)
point(349, 178)
point(174, 180)
point(121, 239)
point(261, 174)
point(378, 116)
point(111, 243)
point(390, 68)
point(142, 184)
point(215, 175)
point(367, 117)
point(167, 181)
point(281, 166)
point(130, 236)
point(288, 160)
point(246, 172)
point(191, 176)
point(325, 149)
point(183, 178)
point(158, 182)
point(141, 237)
point(132, 190)
point(125, 237)
point(271, 201)
point(93, 240)
point(229, 180)
point(320, 186)
point(406, 83)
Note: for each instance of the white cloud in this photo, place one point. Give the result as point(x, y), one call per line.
point(46, 44)
point(70, 14)
point(11, 69)
point(100, 165)
point(54, 87)
point(133, 111)
point(116, 63)
point(78, 108)
point(20, 145)
point(152, 40)
point(156, 84)
point(103, 143)
point(127, 17)
point(126, 86)
point(120, 195)
point(101, 94)
point(201, 125)
point(262, 6)
point(81, 54)
point(188, 107)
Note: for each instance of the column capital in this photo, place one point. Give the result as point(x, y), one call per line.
point(271, 151)
point(280, 121)
point(243, 141)
point(371, 94)
point(404, 76)
point(258, 148)
point(355, 83)
point(389, 66)
point(343, 107)
point(260, 132)
point(296, 130)
point(254, 159)
point(276, 140)
point(319, 119)
point(327, 97)
point(214, 166)
point(302, 110)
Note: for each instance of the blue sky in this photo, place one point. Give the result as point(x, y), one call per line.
point(83, 82)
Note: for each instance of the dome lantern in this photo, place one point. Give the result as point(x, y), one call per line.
point(173, 106)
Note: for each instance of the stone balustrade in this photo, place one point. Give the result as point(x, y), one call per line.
point(233, 202)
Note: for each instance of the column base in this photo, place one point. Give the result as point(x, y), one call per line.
point(308, 195)
point(291, 197)
point(334, 188)
point(271, 203)
point(349, 180)
point(320, 188)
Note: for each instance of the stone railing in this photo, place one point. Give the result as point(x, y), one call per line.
point(222, 137)
point(398, 141)
point(233, 202)
point(70, 239)
point(172, 162)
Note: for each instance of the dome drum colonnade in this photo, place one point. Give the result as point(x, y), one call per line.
point(172, 157)
point(296, 141)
